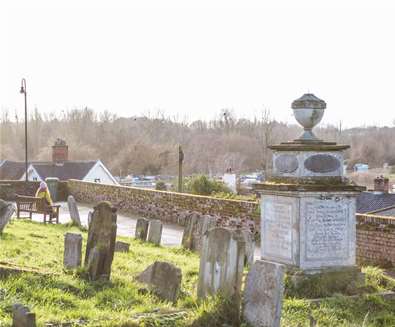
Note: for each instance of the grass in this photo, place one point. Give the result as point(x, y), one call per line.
point(61, 297)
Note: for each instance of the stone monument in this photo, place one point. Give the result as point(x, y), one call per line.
point(308, 206)
point(73, 210)
point(22, 317)
point(72, 250)
point(6, 211)
point(101, 241)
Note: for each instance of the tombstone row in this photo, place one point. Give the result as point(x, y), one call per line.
point(149, 230)
point(221, 272)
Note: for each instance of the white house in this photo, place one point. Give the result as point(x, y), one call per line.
point(60, 167)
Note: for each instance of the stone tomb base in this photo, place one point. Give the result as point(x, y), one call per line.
point(325, 282)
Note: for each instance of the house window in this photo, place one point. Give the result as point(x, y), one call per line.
point(35, 179)
point(97, 180)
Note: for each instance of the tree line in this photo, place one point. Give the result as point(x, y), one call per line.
point(149, 144)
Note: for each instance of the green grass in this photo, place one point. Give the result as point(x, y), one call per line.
point(61, 296)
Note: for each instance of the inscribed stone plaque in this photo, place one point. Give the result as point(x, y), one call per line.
point(277, 228)
point(286, 163)
point(326, 230)
point(322, 163)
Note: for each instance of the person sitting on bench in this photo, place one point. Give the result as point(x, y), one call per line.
point(43, 192)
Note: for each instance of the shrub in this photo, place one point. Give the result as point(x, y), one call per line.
point(202, 185)
point(161, 186)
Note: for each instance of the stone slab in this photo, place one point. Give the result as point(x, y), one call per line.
point(121, 246)
point(163, 279)
point(263, 294)
point(141, 231)
point(6, 212)
point(221, 263)
point(22, 317)
point(73, 209)
point(72, 251)
point(155, 232)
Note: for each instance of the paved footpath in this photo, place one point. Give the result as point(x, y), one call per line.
point(171, 235)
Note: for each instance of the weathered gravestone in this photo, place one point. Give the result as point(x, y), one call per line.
point(163, 279)
point(141, 229)
point(22, 317)
point(194, 230)
point(189, 229)
point(155, 232)
point(72, 250)
point(221, 263)
point(6, 212)
point(121, 246)
point(263, 294)
point(73, 209)
point(249, 246)
point(101, 241)
point(90, 214)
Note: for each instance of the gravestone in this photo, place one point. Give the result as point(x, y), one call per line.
point(73, 210)
point(6, 212)
point(221, 263)
point(163, 279)
point(90, 214)
point(204, 224)
point(121, 246)
point(101, 241)
point(141, 229)
point(249, 246)
point(263, 294)
point(22, 317)
point(155, 231)
point(189, 230)
point(53, 183)
point(72, 250)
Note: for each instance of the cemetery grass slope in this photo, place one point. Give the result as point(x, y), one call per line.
point(59, 297)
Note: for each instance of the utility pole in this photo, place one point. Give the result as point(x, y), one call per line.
point(180, 161)
point(23, 91)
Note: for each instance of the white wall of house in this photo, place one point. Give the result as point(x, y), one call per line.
point(100, 174)
point(32, 175)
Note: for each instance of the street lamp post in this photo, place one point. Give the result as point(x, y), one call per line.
point(23, 91)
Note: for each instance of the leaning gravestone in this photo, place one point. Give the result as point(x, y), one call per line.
point(141, 229)
point(221, 263)
point(6, 212)
point(22, 317)
point(121, 246)
point(250, 246)
point(72, 250)
point(263, 294)
point(101, 241)
point(163, 279)
point(155, 232)
point(200, 227)
point(73, 209)
point(188, 235)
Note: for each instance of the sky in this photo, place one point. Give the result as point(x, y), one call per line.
point(191, 59)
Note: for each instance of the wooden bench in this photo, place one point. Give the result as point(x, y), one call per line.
point(32, 205)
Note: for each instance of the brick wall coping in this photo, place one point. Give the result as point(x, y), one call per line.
point(369, 218)
point(164, 192)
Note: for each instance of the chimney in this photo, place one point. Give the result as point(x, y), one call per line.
point(381, 184)
point(60, 151)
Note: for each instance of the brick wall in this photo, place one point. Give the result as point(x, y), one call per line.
point(375, 240)
point(168, 206)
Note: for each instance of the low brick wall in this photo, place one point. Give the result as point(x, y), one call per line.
point(376, 240)
point(168, 206)
point(8, 189)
